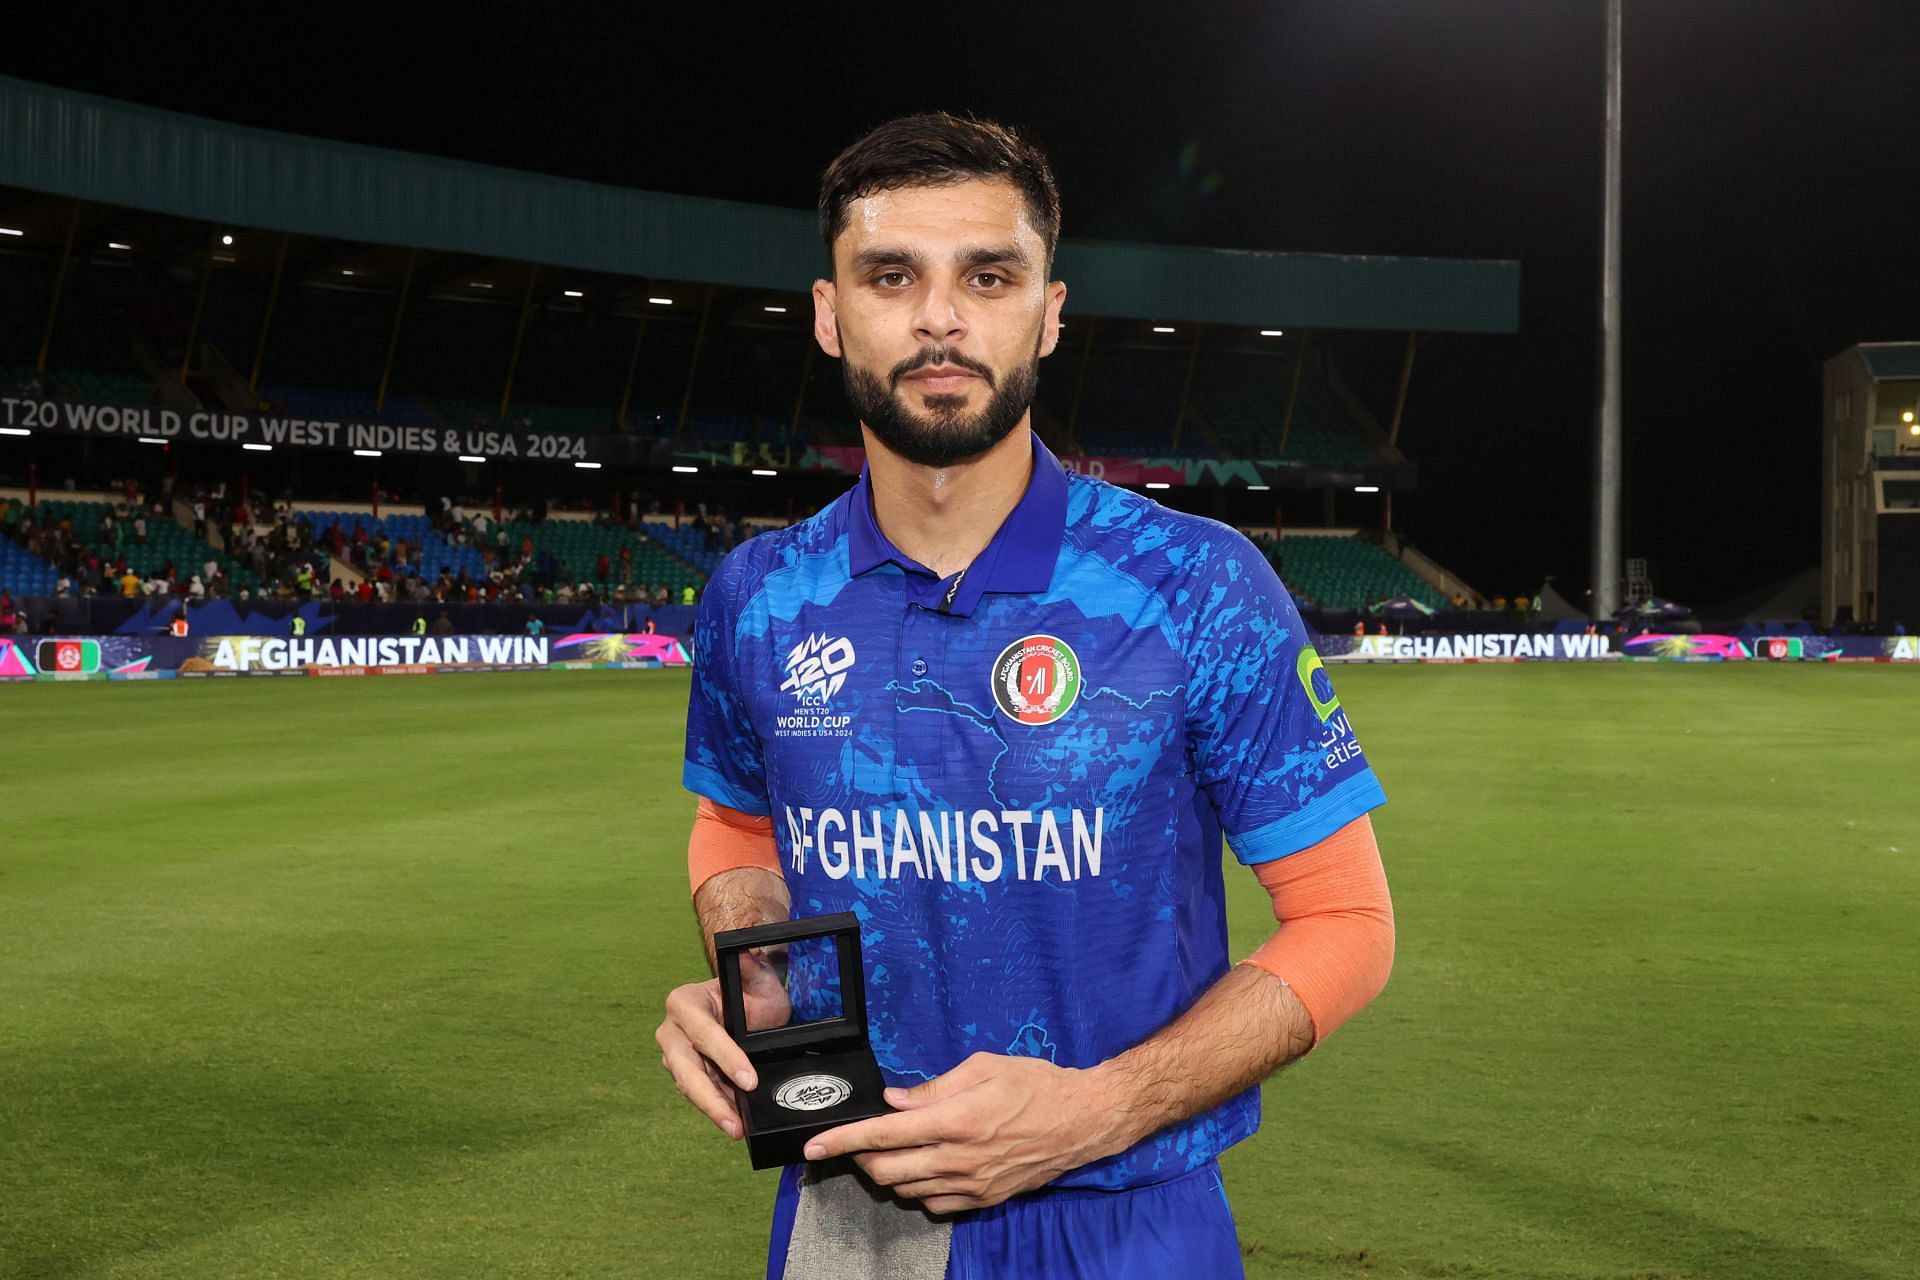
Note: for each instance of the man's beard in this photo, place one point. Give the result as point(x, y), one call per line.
point(944, 434)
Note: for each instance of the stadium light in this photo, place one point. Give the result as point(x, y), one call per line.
point(256, 447)
point(346, 271)
point(1366, 488)
point(778, 311)
point(1914, 430)
point(471, 457)
point(151, 440)
point(1907, 416)
point(1257, 488)
point(1273, 333)
point(227, 240)
point(11, 231)
point(14, 431)
point(115, 244)
point(1163, 328)
point(587, 466)
point(762, 471)
point(572, 293)
point(366, 453)
point(688, 471)
point(1158, 484)
point(223, 257)
point(661, 302)
point(478, 284)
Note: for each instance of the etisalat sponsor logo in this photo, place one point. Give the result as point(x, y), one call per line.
point(817, 669)
point(1338, 741)
point(959, 846)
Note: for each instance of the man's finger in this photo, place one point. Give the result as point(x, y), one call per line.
point(883, 1133)
point(692, 1075)
point(929, 1190)
point(909, 1164)
point(710, 1039)
point(944, 1085)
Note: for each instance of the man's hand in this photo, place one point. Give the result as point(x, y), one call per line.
point(696, 1049)
point(990, 1128)
point(694, 1045)
point(700, 1056)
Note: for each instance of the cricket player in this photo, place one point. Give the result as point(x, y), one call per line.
point(1005, 714)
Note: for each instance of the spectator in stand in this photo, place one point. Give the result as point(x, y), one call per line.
point(199, 520)
point(534, 625)
point(443, 625)
point(196, 589)
point(140, 528)
point(602, 568)
point(338, 591)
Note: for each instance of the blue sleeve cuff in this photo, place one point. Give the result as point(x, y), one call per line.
point(703, 781)
point(1320, 819)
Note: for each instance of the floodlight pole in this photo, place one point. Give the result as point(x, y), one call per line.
point(1605, 596)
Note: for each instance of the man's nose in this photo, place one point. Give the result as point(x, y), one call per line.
point(937, 317)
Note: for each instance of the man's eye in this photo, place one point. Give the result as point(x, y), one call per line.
point(991, 278)
point(891, 279)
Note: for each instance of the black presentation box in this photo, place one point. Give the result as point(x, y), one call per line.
point(814, 1075)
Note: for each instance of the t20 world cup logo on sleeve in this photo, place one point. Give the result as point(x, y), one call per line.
point(816, 668)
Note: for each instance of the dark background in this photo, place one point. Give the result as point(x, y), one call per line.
point(1771, 190)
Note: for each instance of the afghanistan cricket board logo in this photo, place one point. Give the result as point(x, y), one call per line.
point(1036, 679)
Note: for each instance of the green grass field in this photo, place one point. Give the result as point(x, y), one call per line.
point(359, 978)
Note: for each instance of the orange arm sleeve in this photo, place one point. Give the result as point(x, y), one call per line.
point(1334, 946)
point(726, 838)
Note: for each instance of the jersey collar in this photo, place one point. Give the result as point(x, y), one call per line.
point(1019, 559)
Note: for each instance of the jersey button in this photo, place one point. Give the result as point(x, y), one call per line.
point(919, 666)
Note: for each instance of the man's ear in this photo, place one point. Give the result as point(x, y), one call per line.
point(1050, 325)
point(826, 328)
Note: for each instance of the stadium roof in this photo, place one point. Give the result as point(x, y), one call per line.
point(1885, 360)
point(70, 144)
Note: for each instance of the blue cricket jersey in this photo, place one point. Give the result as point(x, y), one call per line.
point(1018, 777)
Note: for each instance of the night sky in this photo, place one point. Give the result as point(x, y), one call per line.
point(1772, 192)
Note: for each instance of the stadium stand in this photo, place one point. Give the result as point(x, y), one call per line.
point(167, 543)
point(1345, 572)
point(79, 384)
point(688, 542)
point(25, 574)
point(437, 555)
point(309, 402)
point(579, 544)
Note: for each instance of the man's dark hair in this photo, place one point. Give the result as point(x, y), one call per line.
point(932, 150)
